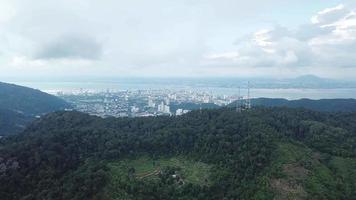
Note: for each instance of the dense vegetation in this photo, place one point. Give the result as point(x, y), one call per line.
point(19, 105)
point(322, 105)
point(192, 106)
point(263, 153)
point(27, 100)
point(12, 121)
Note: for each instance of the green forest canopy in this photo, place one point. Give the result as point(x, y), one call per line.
point(263, 153)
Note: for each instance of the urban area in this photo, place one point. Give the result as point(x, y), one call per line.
point(142, 103)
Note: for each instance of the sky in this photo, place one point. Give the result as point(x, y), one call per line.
point(178, 38)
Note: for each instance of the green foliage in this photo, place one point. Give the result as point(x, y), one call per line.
point(20, 105)
point(28, 101)
point(192, 106)
point(219, 154)
point(12, 121)
point(194, 172)
point(85, 182)
point(171, 176)
point(322, 105)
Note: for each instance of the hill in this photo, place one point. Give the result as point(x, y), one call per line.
point(263, 153)
point(19, 105)
point(323, 105)
point(12, 121)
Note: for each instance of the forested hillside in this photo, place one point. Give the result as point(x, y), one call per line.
point(263, 153)
point(192, 106)
point(19, 105)
point(12, 121)
point(323, 105)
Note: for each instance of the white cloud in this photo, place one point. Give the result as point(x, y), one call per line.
point(223, 56)
point(329, 41)
point(7, 11)
point(343, 31)
point(177, 38)
point(329, 15)
point(22, 61)
point(263, 39)
point(71, 47)
point(267, 48)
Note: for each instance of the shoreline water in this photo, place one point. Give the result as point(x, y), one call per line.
point(287, 93)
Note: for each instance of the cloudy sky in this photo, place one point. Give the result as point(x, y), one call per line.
point(271, 38)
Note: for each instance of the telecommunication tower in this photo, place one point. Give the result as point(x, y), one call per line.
point(248, 100)
point(238, 102)
point(241, 102)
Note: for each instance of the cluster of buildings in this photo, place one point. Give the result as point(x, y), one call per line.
point(141, 103)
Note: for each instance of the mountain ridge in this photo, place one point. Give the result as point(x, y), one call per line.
point(20, 105)
point(323, 105)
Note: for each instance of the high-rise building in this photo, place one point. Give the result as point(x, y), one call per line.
point(167, 109)
point(162, 108)
point(134, 109)
point(167, 100)
point(151, 104)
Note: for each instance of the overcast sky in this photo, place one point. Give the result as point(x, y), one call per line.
point(270, 38)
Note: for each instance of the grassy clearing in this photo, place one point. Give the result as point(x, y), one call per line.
point(287, 172)
point(298, 172)
point(192, 171)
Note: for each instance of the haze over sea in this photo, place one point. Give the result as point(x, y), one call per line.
point(213, 86)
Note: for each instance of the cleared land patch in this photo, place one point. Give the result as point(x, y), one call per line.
point(145, 167)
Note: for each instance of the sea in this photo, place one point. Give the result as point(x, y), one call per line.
point(215, 88)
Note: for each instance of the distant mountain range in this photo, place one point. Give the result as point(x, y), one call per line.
point(20, 105)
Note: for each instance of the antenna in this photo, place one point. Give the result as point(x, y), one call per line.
point(238, 107)
point(248, 103)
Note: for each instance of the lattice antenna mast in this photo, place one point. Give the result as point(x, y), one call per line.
point(238, 102)
point(248, 106)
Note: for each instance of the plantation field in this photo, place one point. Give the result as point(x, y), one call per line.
point(145, 167)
